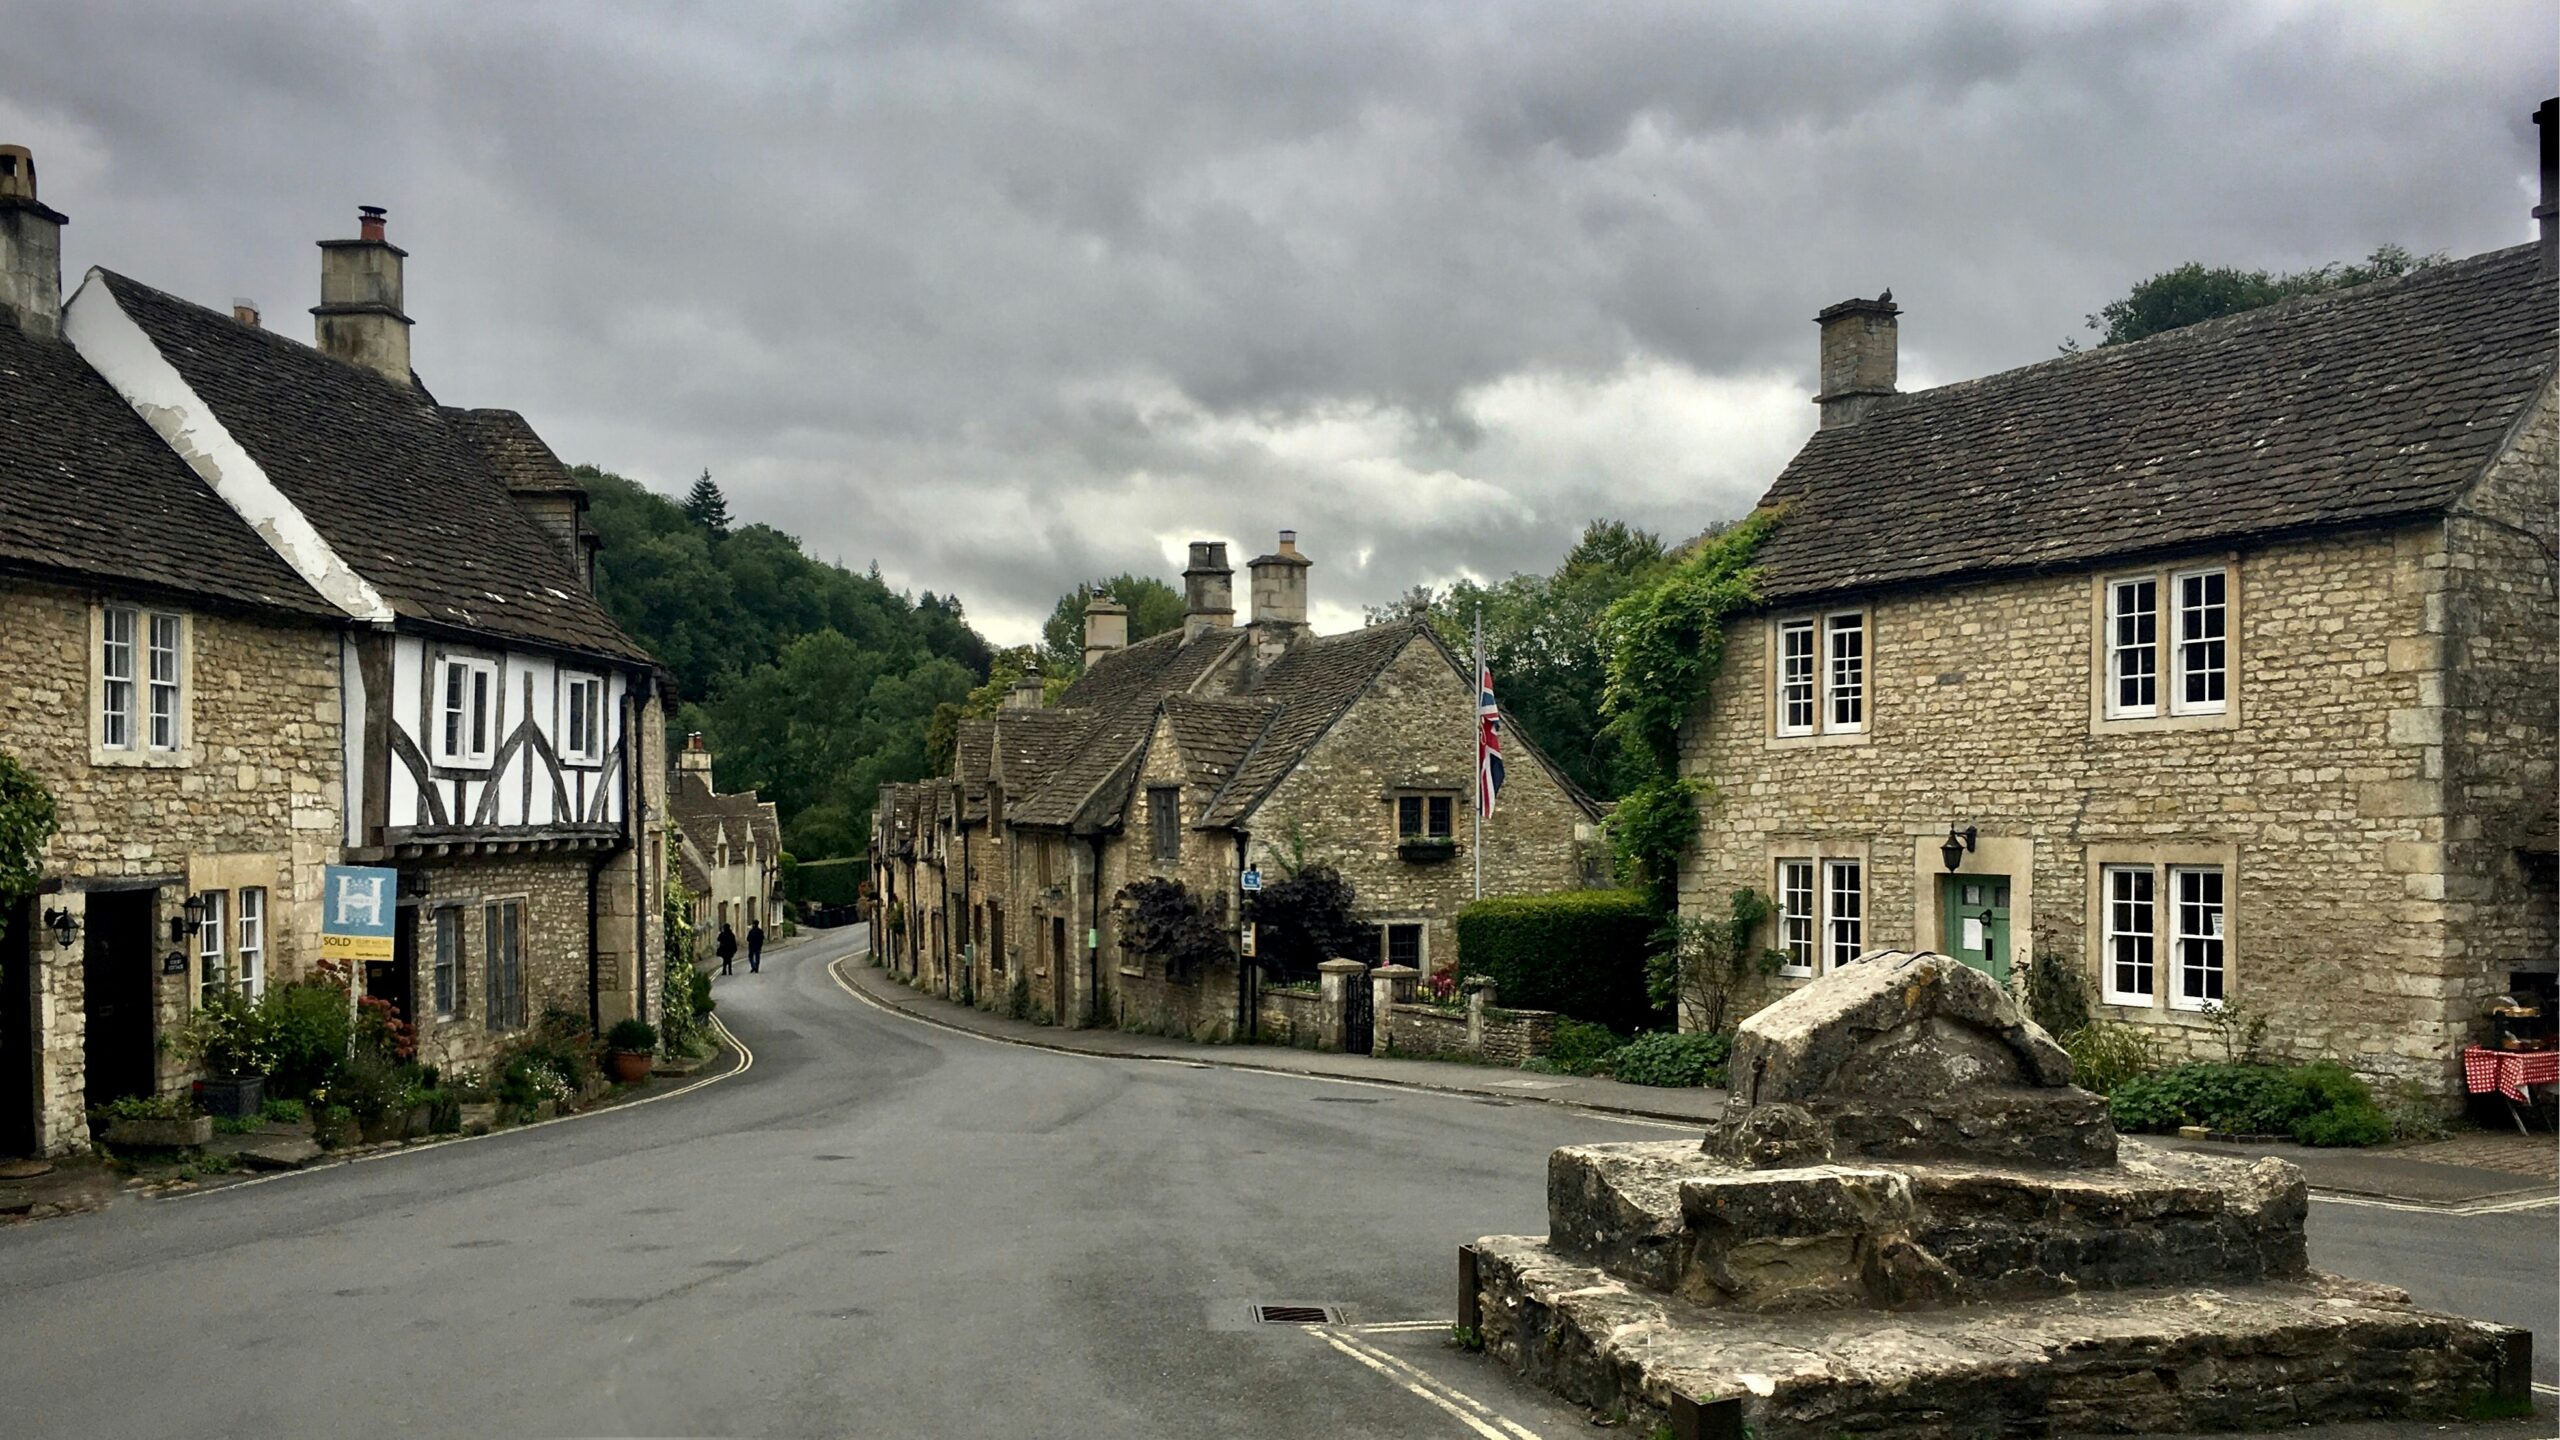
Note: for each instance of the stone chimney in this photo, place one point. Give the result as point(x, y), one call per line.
point(245, 311)
point(30, 248)
point(1279, 600)
point(359, 319)
point(2547, 120)
point(1106, 627)
point(1208, 588)
point(1858, 345)
point(1029, 690)
point(695, 757)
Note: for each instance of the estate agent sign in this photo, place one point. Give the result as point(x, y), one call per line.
point(356, 910)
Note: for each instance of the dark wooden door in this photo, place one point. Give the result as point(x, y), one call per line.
point(17, 1028)
point(116, 966)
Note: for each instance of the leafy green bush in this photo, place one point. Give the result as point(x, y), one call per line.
point(1579, 1048)
point(2105, 1054)
point(2054, 992)
point(1581, 952)
point(147, 1107)
point(282, 1112)
point(1673, 1058)
point(634, 1035)
point(2321, 1104)
point(309, 1024)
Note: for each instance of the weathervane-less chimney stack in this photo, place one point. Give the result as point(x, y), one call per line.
point(1106, 627)
point(1209, 590)
point(1029, 690)
point(30, 249)
point(1859, 340)
point(359, 319)
point(1279, 599)
point(2546, 120)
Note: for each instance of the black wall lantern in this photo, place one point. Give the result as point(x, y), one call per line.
point(64, 925)
point(1958, 842)
point(182, 926)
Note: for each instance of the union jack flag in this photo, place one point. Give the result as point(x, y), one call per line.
point(1488, 743)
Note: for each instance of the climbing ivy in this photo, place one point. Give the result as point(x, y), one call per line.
point(1665, 642)
point(26, 823)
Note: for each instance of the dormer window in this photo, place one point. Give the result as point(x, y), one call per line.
point(466, 718)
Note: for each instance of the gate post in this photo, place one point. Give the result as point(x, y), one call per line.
point(1334, 979)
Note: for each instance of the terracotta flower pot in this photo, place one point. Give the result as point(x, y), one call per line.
point(630, 1067)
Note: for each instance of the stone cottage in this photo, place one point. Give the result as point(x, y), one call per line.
point(330, 620)
point(2219, 665)
point(175, 686)
point(1217, 748)
point(729, 848)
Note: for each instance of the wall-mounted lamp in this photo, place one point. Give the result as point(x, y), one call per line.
point(1958, 842)
point(182, 926)
point(64, 925)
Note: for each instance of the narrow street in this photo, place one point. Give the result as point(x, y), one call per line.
point(882, 1228)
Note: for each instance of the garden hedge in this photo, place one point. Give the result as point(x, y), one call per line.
point(1580, 952)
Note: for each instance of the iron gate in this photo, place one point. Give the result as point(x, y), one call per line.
point(1356, 1027)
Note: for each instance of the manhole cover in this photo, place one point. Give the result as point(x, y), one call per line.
point(1268, 1314)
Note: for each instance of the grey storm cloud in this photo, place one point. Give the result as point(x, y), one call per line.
point(1007, 295)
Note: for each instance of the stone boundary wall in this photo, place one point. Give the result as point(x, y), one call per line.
point(1420, 1030)
point(1294, 1018)
point(1515, 1037)
point(1501, 1037)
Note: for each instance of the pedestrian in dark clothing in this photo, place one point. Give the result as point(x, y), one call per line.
point(726, 947)
point(755, 948)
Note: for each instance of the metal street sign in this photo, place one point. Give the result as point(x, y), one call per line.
point(357, 906)
point(1251, 880)
point(1249, 932)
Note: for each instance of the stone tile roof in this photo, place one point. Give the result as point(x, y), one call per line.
point(522, 460)
point(88, 491)
point(1311, 686)
point(2363, 406)
point(703, 813)
point(1214, 734)
point(1120, 692)
point(973, 755)
point(1031, 743)
point(398, 487)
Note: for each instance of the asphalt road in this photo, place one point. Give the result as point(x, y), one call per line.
point(882, 1229)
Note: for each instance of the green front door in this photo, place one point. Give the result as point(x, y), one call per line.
point(1973, 921)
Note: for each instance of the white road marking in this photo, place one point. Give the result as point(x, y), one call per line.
point(1456, 1404)
point(2512, 1206)
point(1413, 1376)
point(746, 1062)
point(1391, 1327)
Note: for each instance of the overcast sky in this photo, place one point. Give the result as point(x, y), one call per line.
point(1005, 296)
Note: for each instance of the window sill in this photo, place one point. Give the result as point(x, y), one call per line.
point(181, 759)
point(1427, 852)
point(1820, 737)
point(2227, 718)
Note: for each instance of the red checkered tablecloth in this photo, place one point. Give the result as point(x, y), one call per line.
point(2508, 1072)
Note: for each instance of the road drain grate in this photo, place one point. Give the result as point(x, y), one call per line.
point(1297, 1314)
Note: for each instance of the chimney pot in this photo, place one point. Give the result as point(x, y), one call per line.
point(695, 757)
point(1029, 690)
point(1859, 340)
point(245, 311)
point(369, 220)
point(1208, 590)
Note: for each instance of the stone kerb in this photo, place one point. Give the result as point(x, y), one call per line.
point(1905, 1055)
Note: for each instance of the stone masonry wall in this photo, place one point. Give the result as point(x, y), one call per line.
point(1420, 1030)
point(255, 799)
point(2500, 699)
point(1514, 1037)
point(1137, 991)
point(553, 889)
point(1414, 732)
point(2322, 799)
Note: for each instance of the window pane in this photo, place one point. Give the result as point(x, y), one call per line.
point(115, 675)
point(1795, 676)
point(2201, 660)
point(453, 680)
point(479, 713)
point(1404, 945)
point(1164, 810)
point(1847, 682)
point(2133, 646)
point(448, 958)
point(2199, 919)
point(2131, 929)
point(493, 979)
point(1440, 817)
point(1796, 915)
point(252, 947)
point(209, 947)
point(1408, 817)
point(515, 964)
point(1848, 912)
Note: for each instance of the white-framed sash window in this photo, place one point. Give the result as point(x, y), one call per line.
point(1795, 677)
point(212, 968)
point(249, 948)
point(1844, 679)
point(466, 706)
point(2200, 673)
point(2133, 647)
point(2132, 918)
point(2197, 906)
point(140, 680)
point(1797, 917)
point(115, 679)
point(581, 720)
point(1844, 912)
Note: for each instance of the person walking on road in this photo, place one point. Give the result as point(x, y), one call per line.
point(726, 947)
point(755, 948)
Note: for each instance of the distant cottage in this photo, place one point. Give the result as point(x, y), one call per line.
point(1195, 755)
point(730, 853)
point(2219, 665)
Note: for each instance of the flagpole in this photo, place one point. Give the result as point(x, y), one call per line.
point(1476, 712)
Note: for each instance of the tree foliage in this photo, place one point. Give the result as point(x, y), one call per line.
point(705, 506)
point(942, 734)
point(26, 823)
point(1166, 919)
point(1154, 608)
point(1705, 960)
point(1543, 636)
point(1306, 918)
point(2194, 292)
point(814, 684)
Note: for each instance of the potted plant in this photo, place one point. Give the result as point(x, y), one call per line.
point(634, 1043)
point(154, 1121)
point(227, 1036)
